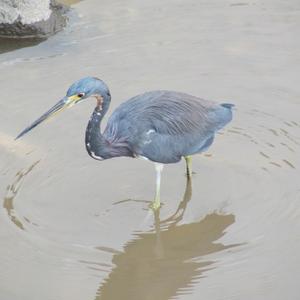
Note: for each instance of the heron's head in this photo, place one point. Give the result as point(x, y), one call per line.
point(77, 92)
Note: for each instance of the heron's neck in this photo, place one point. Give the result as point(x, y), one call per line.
point(96, 145)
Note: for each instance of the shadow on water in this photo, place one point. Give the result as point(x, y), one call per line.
point(11, 193)
point(169, 260)
point(11, 44)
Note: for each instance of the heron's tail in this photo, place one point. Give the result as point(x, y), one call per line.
point(227, 105)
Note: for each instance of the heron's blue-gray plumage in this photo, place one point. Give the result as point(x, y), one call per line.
point(163, 126)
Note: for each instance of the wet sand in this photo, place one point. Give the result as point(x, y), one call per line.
point(75, 228)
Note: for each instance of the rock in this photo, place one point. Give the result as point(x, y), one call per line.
point(31, 18)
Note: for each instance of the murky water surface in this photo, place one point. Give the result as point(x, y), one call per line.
point(75, 228)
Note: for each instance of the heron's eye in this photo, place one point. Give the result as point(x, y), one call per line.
point(80, 95)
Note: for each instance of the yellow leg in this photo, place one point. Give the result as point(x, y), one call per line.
point(188, 160)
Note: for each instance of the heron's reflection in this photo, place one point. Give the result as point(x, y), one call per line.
point(167, 262)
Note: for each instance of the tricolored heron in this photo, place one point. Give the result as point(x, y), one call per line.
point(161, 126)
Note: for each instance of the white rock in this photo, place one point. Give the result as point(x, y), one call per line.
point(26, 11)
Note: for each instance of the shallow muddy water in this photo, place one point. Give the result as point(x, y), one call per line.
point(75, 228)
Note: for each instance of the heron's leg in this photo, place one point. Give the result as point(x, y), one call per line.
point(188, 160)
point(156, 203)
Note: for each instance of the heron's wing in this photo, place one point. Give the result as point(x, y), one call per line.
point(172, 120)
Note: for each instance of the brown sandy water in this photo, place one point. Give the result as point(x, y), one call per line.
point(75, 228)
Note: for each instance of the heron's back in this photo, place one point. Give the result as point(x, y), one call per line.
point(164, 125)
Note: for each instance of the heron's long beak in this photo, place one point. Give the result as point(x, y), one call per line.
point(58, 107)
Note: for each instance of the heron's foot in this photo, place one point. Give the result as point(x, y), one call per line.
point(155, 205)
